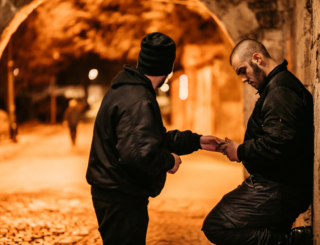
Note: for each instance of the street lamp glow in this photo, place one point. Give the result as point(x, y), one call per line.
point(183, 87)
point(93, 73)
point(16, 72)
point(165, 87)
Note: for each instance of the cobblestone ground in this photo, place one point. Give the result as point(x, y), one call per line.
point(175, 228)
point(44, 198)
point(43, 220)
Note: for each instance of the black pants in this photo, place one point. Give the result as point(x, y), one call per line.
point(122, 223)
point(255, 212)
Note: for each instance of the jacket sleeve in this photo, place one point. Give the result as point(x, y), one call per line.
point(182, 143)
point(139, 143)
point(283, 116)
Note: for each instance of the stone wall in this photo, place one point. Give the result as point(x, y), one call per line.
point(8, 10)
point(315, 65)
point(264, 20)
point(303, 47)
point(306, 45)
point(12, 14)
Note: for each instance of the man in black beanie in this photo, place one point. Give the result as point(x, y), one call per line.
point(131, 150)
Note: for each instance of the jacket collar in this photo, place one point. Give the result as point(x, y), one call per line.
point(275, 71)
point(132, 76)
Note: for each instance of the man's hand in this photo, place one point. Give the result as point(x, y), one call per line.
point(230, 150)
point(210, 143)
point(177, 162)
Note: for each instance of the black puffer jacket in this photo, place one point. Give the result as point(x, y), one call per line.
point(278, 142)
point(131, 150)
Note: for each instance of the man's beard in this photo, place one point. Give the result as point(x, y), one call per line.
point(260, 76)
point(160, 85)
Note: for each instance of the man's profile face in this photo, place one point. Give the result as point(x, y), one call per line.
point(249, 72)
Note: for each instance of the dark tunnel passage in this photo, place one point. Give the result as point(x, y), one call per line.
point(61, 41)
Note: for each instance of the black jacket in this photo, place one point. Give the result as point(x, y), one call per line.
point(278, 141)
point(131, 150)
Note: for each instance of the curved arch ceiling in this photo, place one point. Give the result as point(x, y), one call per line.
point(26, 10)
point(59, 32)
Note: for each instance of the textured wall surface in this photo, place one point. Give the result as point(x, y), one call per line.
point(313, 58)
point(303, 49)
point(316, 74)
point(8, 9)
point(264, 20)
point(12, 14)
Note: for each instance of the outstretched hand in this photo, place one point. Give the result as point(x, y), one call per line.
point(210, 143)
point(230, 150)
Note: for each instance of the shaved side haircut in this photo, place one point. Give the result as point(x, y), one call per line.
point(246, 48)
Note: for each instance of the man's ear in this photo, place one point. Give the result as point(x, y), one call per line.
point(257, 58)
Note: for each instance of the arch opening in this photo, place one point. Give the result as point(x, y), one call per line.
point(64, 40)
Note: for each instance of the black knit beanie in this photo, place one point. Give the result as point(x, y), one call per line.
point(157, 55)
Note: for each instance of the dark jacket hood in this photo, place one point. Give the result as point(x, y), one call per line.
point(131, 76)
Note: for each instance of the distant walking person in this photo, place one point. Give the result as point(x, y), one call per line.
point(73, 115)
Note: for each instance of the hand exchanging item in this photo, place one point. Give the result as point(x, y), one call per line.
point(177, 162)
point(210, 143)
point(230, 150)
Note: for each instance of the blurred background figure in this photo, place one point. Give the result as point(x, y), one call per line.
point(72, 117)
point(4, 126)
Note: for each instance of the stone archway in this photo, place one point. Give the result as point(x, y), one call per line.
point(230, 100)
point(12, 16)
point(236, 19)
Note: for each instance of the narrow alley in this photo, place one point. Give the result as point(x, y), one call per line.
point(45, 198)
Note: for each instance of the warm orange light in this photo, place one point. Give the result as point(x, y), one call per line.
point(93, 74)
point(183, 87)
point(16, 72)
point(165, 87)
